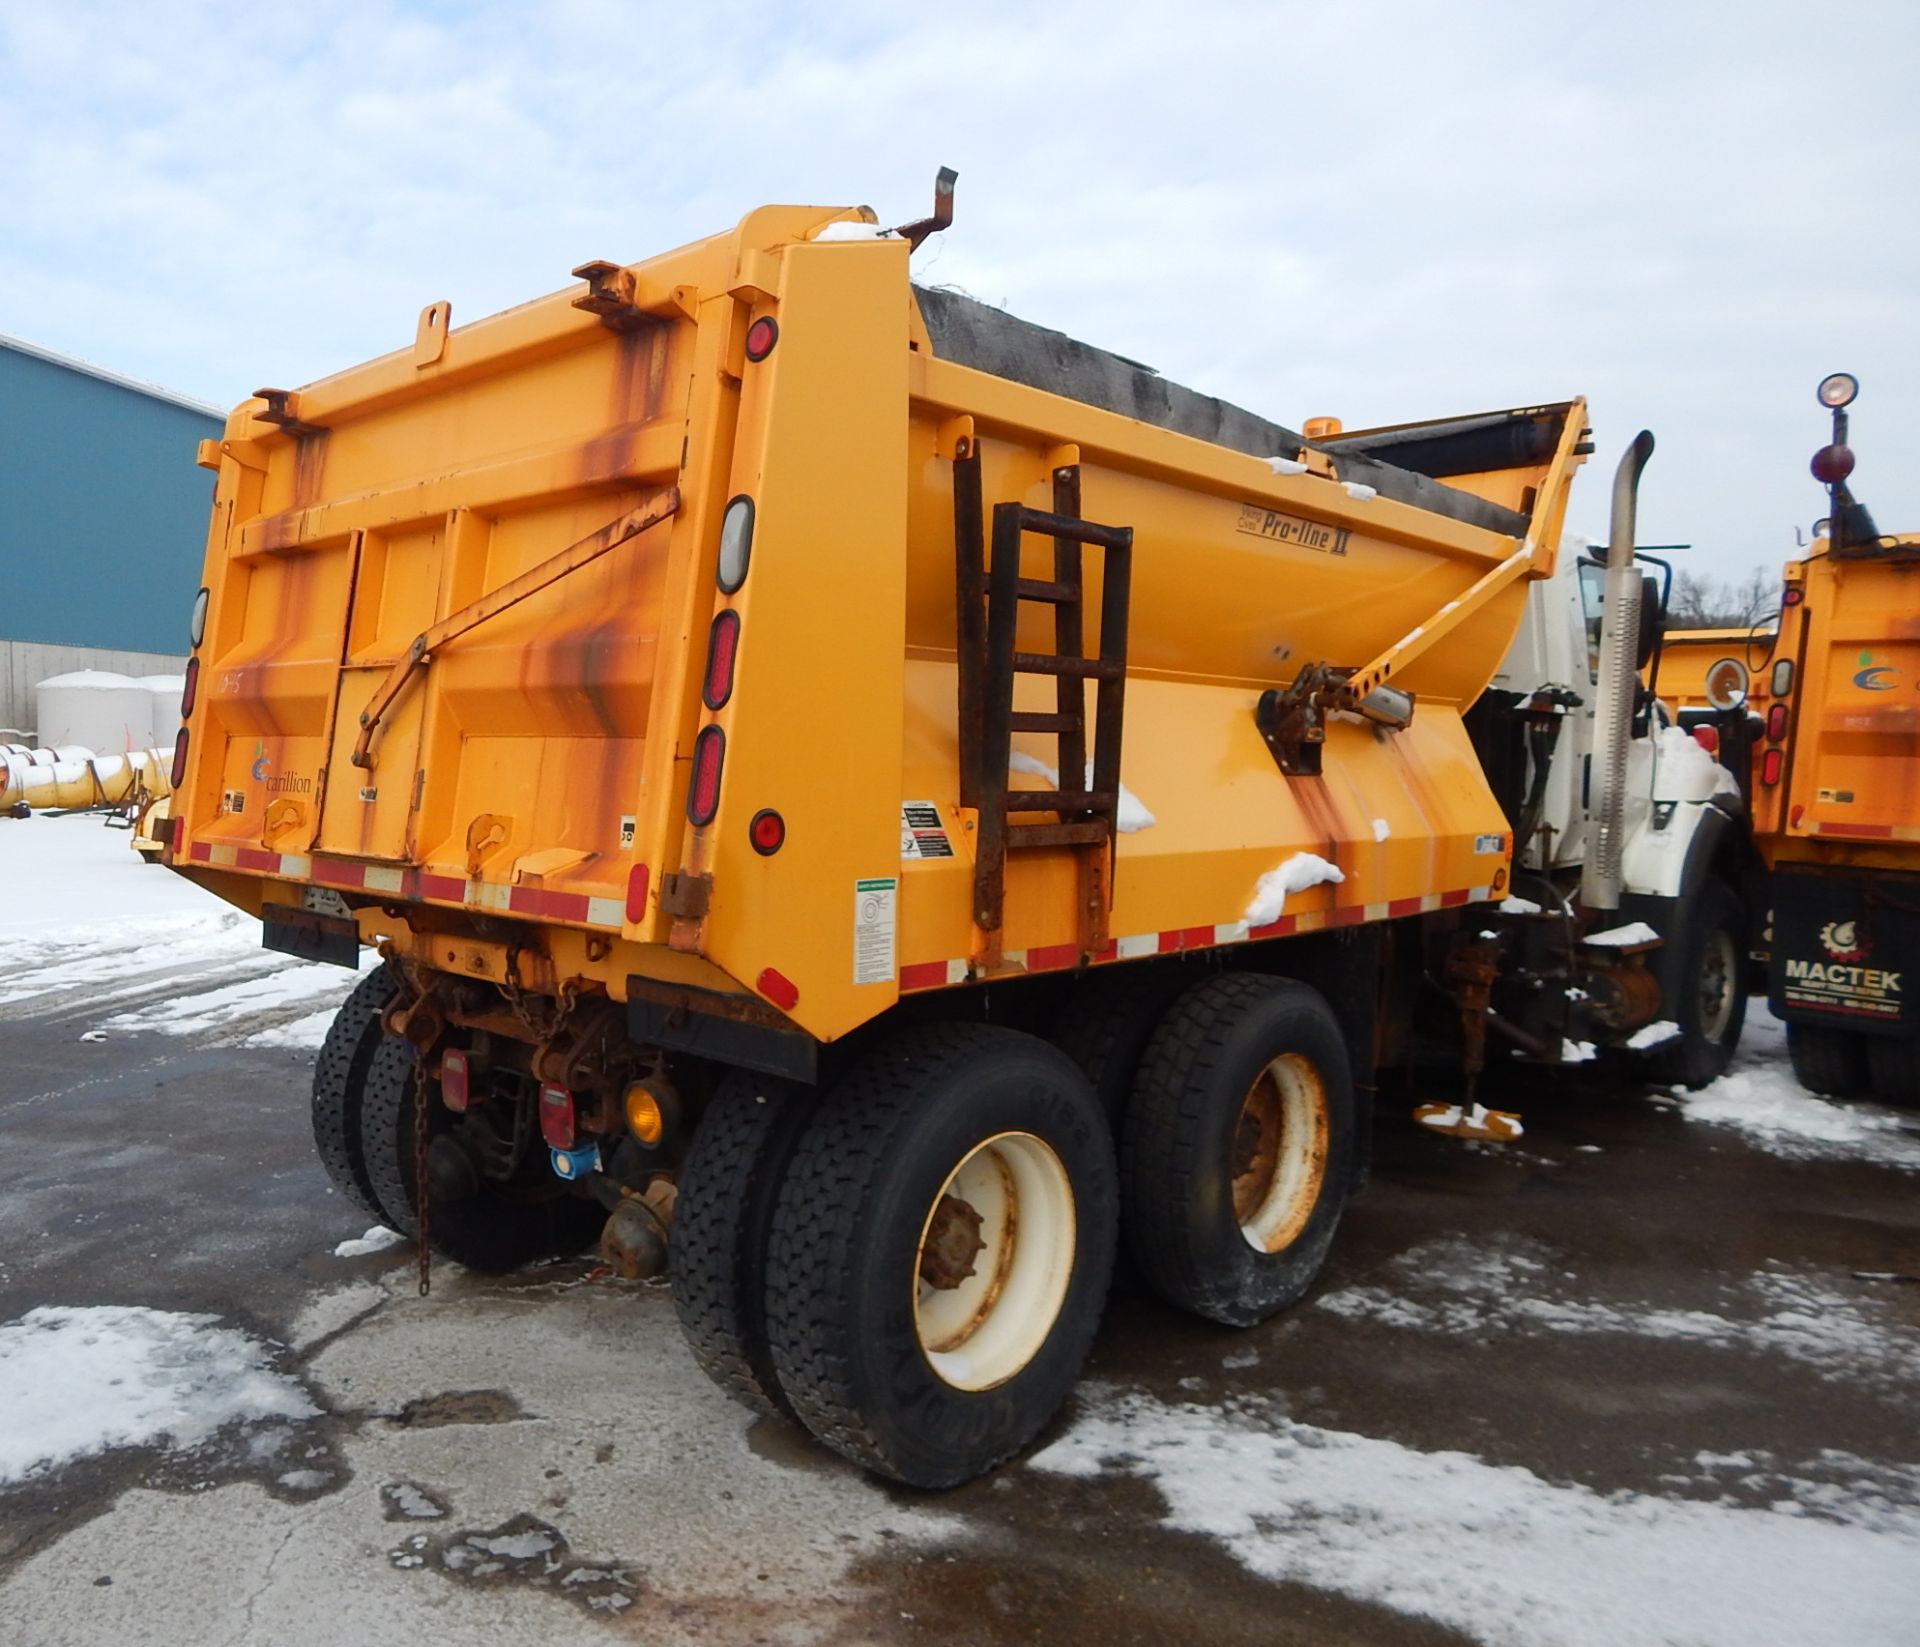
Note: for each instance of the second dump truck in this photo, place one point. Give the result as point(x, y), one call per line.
point(867, 803)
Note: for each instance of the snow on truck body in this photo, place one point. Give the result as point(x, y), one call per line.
point(707, 684)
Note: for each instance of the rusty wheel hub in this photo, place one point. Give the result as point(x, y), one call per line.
point(952, 1245)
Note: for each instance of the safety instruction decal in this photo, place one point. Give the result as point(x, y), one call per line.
point(921, 833)
point(873, 923)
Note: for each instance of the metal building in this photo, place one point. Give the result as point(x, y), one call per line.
point(103, 515)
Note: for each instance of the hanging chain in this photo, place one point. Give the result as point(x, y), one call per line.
point(422, 1200)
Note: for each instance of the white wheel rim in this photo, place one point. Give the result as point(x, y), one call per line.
point(978, 1329)
point(1719, 968)
point(1279, 1153)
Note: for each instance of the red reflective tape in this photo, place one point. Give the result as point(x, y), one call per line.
point(1452, 900)
point(1186, 937)
point(1282, 928)
point(251, 857)
point(339, 872)
point(923, 975)
point(1861, 832)
point(201, 852)
point(1106, 952)
point(556, 906)
point(1397, 907)
point(1052, 957)
point(447, 888)
point(1352, 915)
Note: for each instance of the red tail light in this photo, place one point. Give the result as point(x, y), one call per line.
point(453, 1081)
point(190, 687)
point(762, 335)
point(556, 1115)
point(179, 758)
point(768, 832)
point(636, 894)
point(1708, 738)
point(703, 793)
point(1793, 597)
point(723, 643)
point(1770, 764)
point(1777, 722)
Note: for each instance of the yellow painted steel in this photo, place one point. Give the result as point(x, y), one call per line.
point(542, 759)
point(1687, 654)
point(1849, 792)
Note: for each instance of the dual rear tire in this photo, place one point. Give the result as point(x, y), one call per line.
point(1839, 1063)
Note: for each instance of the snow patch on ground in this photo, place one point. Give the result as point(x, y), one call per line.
point(78, 1381)
point(377, 1239)
point(1634, 932)
point(1271, 891)
point(1760, 1098)
point(1496, 1551)
point(1461, 1289)
point(231, 1005)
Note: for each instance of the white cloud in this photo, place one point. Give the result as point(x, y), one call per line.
point(1383, 211)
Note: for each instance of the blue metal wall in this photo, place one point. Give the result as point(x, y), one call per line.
point(103, 515)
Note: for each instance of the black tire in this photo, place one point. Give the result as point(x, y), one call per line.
point(1106, 1025)
point(1894, 1066)
point(722, 1222)
point(845, 1272)
point(1832, 1062)
point(338, 1075)
point(500, 1227)
point(1707, 954)
point(1184, 1127)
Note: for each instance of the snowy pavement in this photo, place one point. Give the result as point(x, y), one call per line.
point(1645, 1376)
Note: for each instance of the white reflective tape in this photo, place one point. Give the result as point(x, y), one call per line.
point(1232, 933)
point(485, 895)
point(384, 880)
point(1374, 912)
point(1141, 943)
point(956, 972)
point(296, 867)
point(606, 912)
point(225, 856)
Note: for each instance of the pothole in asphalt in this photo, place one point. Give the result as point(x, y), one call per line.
point(524, 1551)
point(459, 1407)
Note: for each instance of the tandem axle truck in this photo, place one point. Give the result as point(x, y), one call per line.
point(866, 804)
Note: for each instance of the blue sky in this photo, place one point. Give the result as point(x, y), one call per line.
point(1689, 213)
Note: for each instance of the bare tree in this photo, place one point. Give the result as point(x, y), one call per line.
point(1703, 602)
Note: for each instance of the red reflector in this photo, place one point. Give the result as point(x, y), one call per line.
point(453, 1081)
point(723, 642)
point(703, 793)
point(556, 1115)
point(179, 758)
point(780, 990)
point(1796, 814)
point(190, 687)
point(1793, 597)
point(1770, 764)
point(1777, 722)
point(636, 894)
point(1708, 738)
point(761, 337)
point(768, 832)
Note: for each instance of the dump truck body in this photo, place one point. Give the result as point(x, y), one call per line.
point(824, 761)
point(1838, 801)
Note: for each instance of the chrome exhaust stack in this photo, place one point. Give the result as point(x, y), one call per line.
point(1619, 678)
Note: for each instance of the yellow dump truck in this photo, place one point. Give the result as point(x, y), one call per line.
point(867, 803)
point(1837, 796)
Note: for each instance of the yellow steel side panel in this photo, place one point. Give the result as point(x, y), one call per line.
point(1224, 815)
point(1851, 793)
point(814, 719)
point(1687, 654)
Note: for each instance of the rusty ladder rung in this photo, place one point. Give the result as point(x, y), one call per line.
point(1051, 663)
point(1092, 832)
point(1034, 720)
point(1058, 800)
point(1040, 589)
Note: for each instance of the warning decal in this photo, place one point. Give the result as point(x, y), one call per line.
point(873, 920)
point(921, 832)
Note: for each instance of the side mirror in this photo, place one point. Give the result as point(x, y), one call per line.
point(1652, 621)
point(1727, 683)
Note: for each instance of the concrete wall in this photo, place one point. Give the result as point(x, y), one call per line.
point(103, 513)
point(24, 664)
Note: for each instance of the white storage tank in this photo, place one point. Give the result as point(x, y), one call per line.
point(95, 710)
point(165, 690)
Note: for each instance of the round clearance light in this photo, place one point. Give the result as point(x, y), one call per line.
point(736, 543)
point(197, 625)
point(1838, 389)
point(1832, 464)
point(768, 832)
point(762, 335)
point(645, 1118)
